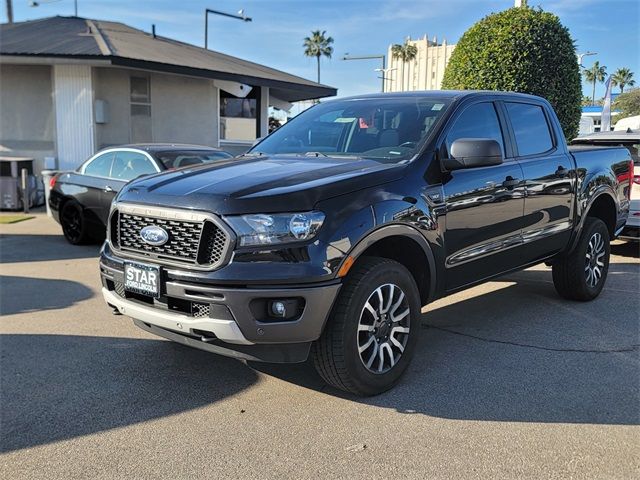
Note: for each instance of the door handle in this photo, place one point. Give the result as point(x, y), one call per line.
point(510, 183)
point(108, 189)
point(562, 172)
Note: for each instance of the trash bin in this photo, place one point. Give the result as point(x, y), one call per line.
point(47, 175)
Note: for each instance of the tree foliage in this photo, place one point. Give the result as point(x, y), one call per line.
point(628, 104)
point(623, 77)
point(521, 50)
point(318, 45)
point(406, 52)
point(597, 73)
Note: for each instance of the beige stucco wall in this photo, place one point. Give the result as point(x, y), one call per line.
point(27, 126)
point(112, 86)
point(183, 109)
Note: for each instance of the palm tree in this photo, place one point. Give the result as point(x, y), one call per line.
point(317, 45)
point(622, 78)
point(597, 73)
point(406, 53)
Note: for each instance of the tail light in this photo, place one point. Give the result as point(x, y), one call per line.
point(52, 181)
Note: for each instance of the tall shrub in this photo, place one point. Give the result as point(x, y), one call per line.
point(520, 50)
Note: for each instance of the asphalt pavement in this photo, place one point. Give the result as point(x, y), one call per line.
point(509, 381)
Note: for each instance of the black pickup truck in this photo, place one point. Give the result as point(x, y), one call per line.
point(329, 235)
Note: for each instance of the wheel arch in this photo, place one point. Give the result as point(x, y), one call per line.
point(407, 246)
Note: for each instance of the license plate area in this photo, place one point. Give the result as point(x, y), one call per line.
point(142, 279)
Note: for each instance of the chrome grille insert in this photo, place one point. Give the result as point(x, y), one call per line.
point(197, 239)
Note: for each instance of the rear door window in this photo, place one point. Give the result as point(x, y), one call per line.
point(130, 165)
point(99, 166)
point(530, 128)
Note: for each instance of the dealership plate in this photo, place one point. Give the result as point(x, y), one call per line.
point(140, 278)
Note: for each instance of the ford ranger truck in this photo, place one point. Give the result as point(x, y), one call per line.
point(329, 235)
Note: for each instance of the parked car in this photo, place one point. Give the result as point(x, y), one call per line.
point(631, 141)
point(329, 235)
point(80, 199)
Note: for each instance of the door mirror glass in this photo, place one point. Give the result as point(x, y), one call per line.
point(473, 152)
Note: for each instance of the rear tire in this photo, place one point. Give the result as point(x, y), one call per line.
point(581, 275)
point(372, 332)
point(74, 224)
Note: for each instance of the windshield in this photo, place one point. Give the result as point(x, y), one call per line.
point(385, 129)
point(184, 158)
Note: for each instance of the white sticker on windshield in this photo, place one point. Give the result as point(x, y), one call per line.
point(437, 106)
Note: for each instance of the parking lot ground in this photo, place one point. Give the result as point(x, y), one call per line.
point(509, 381)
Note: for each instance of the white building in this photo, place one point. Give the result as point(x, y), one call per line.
point(70, 86)
point(423, 73)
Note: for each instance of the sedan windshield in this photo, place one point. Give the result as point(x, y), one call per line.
point(390, 130)
point(185, 158)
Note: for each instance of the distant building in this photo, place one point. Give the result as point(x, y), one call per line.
point(591, 119)
point(423, 73)
point(71, 86)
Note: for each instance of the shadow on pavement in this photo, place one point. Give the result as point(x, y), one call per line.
point(56, 387)
point(626, 249)
point(42, 248)
point(25, 294)
point(517, 354)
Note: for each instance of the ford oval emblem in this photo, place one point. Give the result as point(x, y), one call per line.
point(154, 235)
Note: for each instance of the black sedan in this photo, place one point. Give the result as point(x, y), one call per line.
point(80, 200)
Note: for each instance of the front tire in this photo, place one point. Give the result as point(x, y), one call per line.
point(372, 332)
point(581, 275)
point(74, 224)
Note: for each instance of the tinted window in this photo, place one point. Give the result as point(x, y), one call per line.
point(185, 158)
point(129, 165)
point(530, 128)
point(389, 129)
point(477, 121)
point(99, 166)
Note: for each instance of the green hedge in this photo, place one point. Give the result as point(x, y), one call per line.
point(520, 50)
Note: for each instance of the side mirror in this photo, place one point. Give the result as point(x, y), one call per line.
point(473, 152)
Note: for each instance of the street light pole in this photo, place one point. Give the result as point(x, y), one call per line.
point(582, 55)
point(207, 11)
point(370, 57)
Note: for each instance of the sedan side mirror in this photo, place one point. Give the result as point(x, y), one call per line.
point(473, 152)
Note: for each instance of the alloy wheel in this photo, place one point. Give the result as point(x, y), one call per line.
point(594, 260)
point(383, 328)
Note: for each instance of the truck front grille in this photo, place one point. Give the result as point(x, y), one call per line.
point(195, 240)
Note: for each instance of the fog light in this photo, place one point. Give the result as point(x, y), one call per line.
point(278, 309)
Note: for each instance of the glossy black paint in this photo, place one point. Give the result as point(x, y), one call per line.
point(475, 223)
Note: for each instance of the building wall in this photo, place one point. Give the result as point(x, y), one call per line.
point(423, 73)
point(112, 87)
point(183, 109)
point(27, 126)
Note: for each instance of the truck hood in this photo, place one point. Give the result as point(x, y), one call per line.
point(259, 184)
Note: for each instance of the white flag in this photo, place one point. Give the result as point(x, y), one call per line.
point(605, 119)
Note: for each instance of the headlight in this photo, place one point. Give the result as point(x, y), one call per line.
point(269, 229)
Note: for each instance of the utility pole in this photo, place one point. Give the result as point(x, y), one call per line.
point(10, 11)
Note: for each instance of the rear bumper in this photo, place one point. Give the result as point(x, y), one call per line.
point(631, 230)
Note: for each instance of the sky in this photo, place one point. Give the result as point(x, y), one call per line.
point(358, 27)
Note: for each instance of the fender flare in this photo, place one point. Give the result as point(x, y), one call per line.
point(397, 230)
point(600, 191)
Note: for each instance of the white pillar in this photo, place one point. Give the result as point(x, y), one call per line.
point(264, 112)
point(73, 100)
